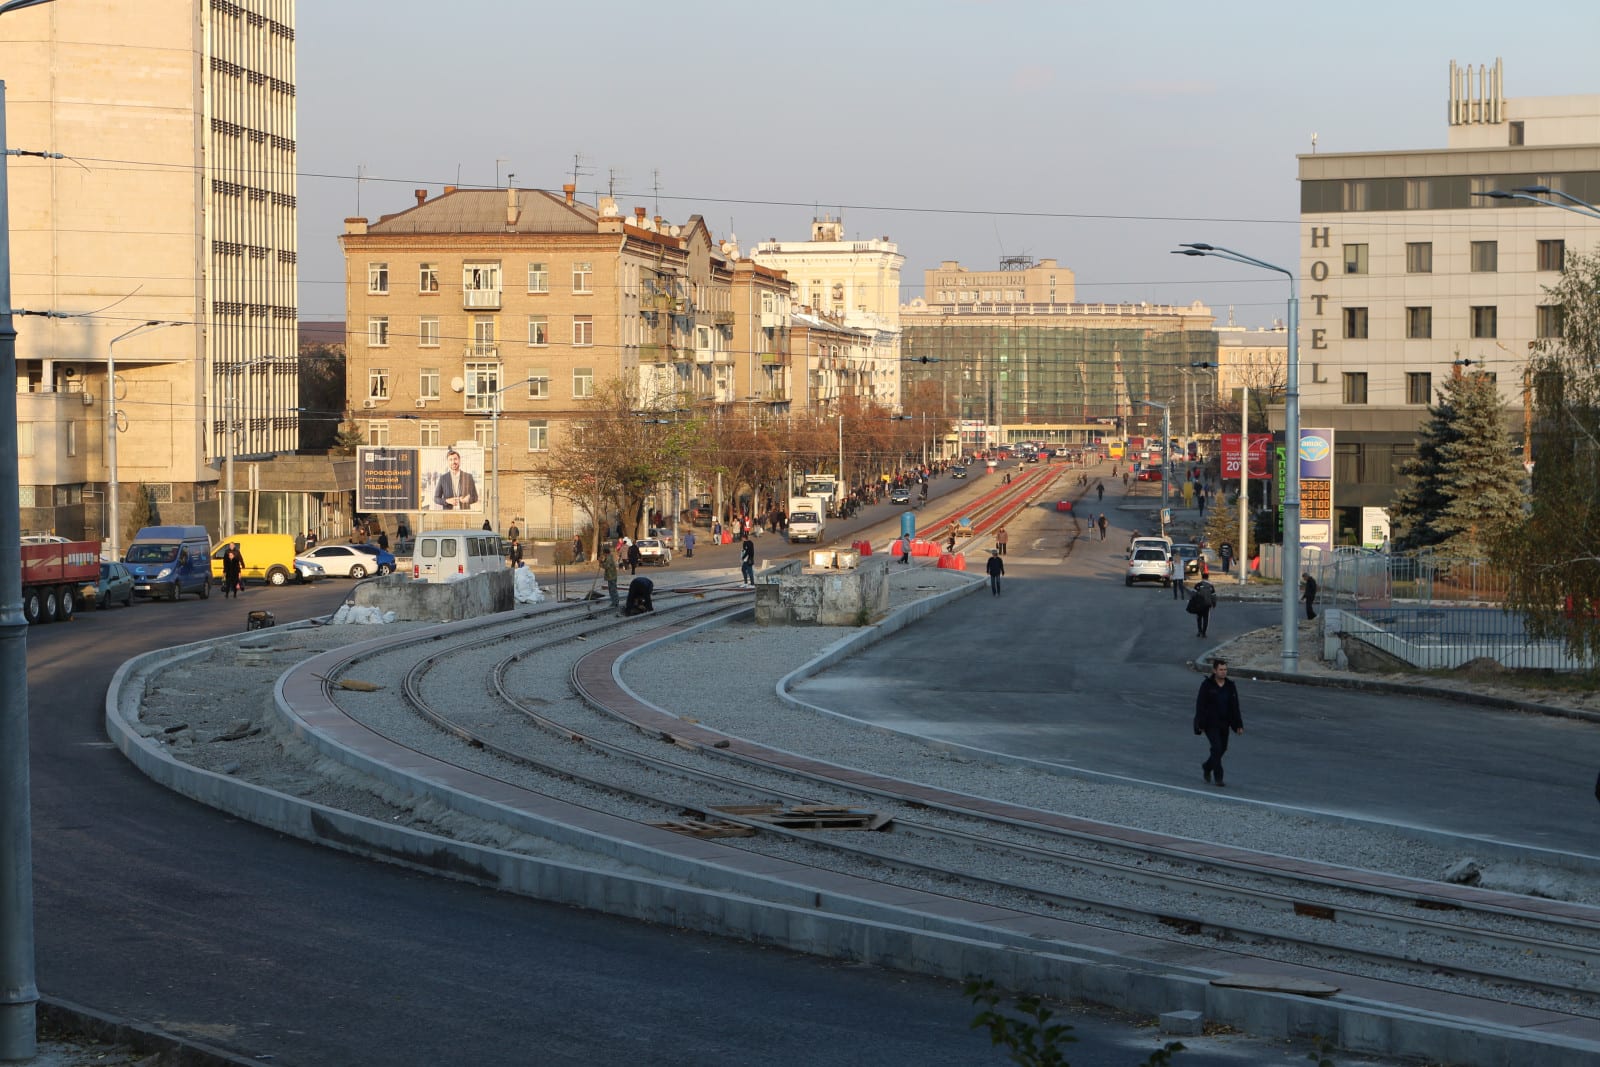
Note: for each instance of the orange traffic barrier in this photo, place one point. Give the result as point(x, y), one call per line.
point(953, 561)
point(863, 547)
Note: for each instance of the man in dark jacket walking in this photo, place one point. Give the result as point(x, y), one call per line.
point(1216, 711)
point(1201, 601)
point(996, 567)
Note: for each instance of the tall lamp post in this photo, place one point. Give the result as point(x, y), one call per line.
point(1291, 444)
point(111, 433)
point(19, 994)
point(1166, 452)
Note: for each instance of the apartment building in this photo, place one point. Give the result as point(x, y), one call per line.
point(1029, 363)
point(851, 285)
point(168, 234)
point(515, 305)
point(1407, 271)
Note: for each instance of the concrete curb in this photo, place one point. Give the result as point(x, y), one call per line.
point(162, 1048)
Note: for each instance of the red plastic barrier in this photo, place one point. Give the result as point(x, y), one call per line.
point(863, 547)
point(953, 561)
point(727, 537)
point(919, 547)
point(1063, 505)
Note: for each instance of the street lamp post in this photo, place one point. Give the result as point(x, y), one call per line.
point(1533, 194)
point(111, 434)
point(1166, 453)
point(1291, 444)
point(19, 993)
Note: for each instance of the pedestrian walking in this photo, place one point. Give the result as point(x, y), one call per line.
point(633, 558)
point(688, 544)
point(1103, 524)
point(1200, 495)
point(747, 561)
point(996, 567)
point(1124, 479)
point(1216, 711)
point(1099, 491)
point(1225, 553)
point(1308, 586)
point(1175, 575)
point(1001, 540)
point(608, 569)
point(1201, 601)
point(232, 568)
point(514, 553)
point(383, 540)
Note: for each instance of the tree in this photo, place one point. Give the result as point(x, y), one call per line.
point(1419, 503)
point(1553, 554)
point(1480, 480)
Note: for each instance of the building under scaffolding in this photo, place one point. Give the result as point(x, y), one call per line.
point(1056, 366)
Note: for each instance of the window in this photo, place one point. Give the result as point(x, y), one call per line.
point(378, 331)
point(377, 279)
point(1552, 255)
point(538, 435)
point(483, 434)
point(378, 433)
point(583, 330)
point(538, 278)
point(1419, 388)
point(1419, 194)
point(538, 330)
point(1355, 323)
point(72, 446)
point(1355, 387)
point(483, 383)
point(1485, 321)
point(427, 333)
point(1419, 323)
point(1355, 195)
point(582, 382)
point(1549, 320)
point(378, 383)
point(539, 383)
point(428, 433)
point(480, 285)
point(1485, 257)
point(483, 335)
point(428, 383)
point(1419, 257)
point(1355, 259)
point(427, 277)
point(583, 277)
point(1516, 133)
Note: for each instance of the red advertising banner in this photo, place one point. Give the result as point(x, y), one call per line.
point(1259, 444)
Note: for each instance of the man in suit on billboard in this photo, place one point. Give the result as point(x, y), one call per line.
point(455, 490)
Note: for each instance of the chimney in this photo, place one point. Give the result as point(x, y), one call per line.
point(569, 189)
point(658, 222)
point(638, 217)
point(511, 208)
point(421, 195)
point(449, 189)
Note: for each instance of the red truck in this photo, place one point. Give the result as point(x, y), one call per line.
point(52, 572)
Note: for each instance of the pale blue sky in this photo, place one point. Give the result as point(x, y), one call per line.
point(1101, 135)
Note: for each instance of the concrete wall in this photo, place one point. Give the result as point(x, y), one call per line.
point(789, 595)
point(411, 601)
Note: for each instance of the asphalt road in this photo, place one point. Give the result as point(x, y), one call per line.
point(1071, 666)
point(161, 911)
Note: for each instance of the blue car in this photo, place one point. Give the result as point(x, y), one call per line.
point(385, 558)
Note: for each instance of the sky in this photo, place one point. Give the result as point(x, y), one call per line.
point(1099, 135)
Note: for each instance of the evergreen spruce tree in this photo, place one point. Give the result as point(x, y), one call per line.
point(1417, 507)
point(1478, 477)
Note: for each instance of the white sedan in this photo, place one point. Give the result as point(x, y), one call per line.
point(653, 550)
point(343, 561)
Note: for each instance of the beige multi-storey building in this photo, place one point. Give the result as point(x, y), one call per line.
point(1406, 270)
point(516, 305)
point(170, 225)
point(850, 284)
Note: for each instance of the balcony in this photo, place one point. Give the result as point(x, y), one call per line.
point(660, 302)
point(483, 299)
point(654, 353)
point(722, 318)
point(772, 359)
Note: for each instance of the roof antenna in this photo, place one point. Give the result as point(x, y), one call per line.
point(1313, 143)
point(655, 190)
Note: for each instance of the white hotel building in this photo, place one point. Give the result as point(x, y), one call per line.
point(1404, 271)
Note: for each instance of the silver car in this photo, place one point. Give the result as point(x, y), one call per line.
point(653, 550)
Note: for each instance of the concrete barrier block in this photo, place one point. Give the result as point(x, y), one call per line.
point(1182, 1023)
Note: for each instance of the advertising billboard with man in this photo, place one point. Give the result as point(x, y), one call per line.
point(420, 478)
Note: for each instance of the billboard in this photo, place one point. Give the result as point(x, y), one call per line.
point(1259, 444)
point(419, 478)
point(1316, 487)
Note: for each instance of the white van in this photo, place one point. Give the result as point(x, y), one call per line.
point(445, 555)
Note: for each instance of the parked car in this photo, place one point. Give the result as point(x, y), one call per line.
point(403, 550)
point(899, 495)
point(305, 571)
point(1147, 564)
point(1149, 474)
point(1194, 561)
point(653, 550)
point(958, 471)
point(385, 559)
point(114, 586)
point(1161, 541)
point(348, 561)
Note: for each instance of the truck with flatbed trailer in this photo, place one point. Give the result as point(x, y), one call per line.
point(52, 572)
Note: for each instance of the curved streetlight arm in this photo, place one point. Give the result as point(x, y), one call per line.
point(1526, 193)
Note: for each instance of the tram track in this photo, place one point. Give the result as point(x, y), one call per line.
point(628, 769)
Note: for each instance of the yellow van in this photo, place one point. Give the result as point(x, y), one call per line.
point(267, 557)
